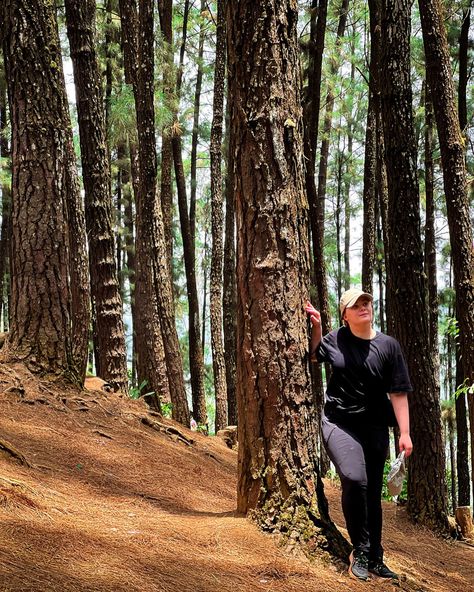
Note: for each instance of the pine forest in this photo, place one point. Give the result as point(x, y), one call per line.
point(179, 180)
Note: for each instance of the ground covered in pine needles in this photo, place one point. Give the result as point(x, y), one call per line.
point(99, 495)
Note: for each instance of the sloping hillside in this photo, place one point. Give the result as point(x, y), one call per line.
point(98, 495)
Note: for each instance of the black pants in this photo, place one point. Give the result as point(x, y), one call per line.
point(359, 456)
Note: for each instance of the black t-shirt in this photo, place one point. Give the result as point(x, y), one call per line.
point(364, 372)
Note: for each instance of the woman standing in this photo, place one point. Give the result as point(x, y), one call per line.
point(367, 392)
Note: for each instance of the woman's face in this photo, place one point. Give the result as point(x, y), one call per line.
point(360, 312)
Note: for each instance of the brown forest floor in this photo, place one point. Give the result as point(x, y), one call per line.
point(94, 500)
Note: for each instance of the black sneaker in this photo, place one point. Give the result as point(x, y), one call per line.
point(358, 566)
point(379, 569)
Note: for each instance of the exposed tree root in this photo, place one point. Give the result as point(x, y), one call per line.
point(12, 451)
point(169, 430)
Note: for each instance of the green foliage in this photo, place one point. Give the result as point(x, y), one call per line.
point(167, 409)
point(464, 389)
point(451, 327)
point(5, 171)
point(122, 121)
point(135, 392)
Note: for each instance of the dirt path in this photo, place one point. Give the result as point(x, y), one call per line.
point(110, 505)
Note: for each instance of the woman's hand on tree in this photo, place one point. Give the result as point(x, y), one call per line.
point(314, 315)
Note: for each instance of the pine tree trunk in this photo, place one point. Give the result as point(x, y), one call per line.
point(426, 497)
point(217, 219)
point(311, 107)
point(327, 125)
point(196, 359)
point(278, 473)
point(195, 134)
point(149, 356)
point(440, 79)
point(452, 462)
point(430, 237)
point(109, 336)
point(6, 206)
point(347, 198)
point(462, 433)
point(41, 317)
point(124, 157)
point(229, 297)
point(153, 292)
point(370, 163)
point(166, 15)
point(462, 441)
point(78, 260)
point(463, 76)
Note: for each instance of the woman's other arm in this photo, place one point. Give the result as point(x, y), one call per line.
point(400, 407)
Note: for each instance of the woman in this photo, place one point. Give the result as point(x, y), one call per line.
point(366, 393)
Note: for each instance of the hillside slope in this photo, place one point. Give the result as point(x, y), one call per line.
point(98, 495)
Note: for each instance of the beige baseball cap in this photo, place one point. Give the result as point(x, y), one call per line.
point(350, 297)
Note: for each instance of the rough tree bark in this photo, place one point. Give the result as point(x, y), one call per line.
point(440, 79)
point(426, 498)
point(229, 296)
point(153, 292)
point(217, 218)
point(149, 356)
point(196, 358)
point(195, 133)
point(311, 106)
point(6, 207)
point(278, 477)
point(108, 330)
point(165, 9)
point(41, 331)
point(462, 432)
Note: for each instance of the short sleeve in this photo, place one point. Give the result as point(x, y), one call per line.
point(400, 379)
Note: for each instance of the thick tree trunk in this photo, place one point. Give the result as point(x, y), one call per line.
point(109, 336)
point(41, 317)
point(278, 474)
point(426, 495)
point(217, 218)
point(440, 79)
